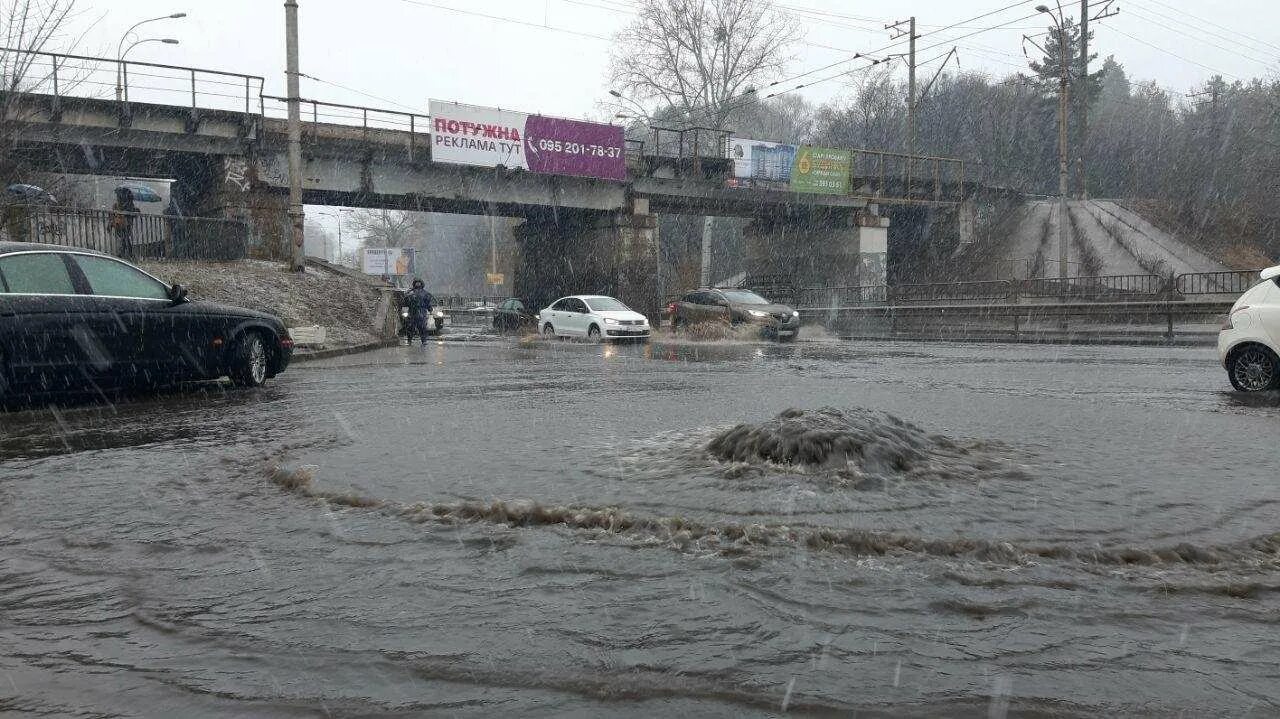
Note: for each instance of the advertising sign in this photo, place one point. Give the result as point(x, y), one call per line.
point(391, 261)
point(482, 136)
point(791, 168)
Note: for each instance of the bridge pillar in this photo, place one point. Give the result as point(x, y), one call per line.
point(563, 252)
point(227, 187)
point(814, 247)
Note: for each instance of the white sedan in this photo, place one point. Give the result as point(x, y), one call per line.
point(1249, 344)
point(594, 317)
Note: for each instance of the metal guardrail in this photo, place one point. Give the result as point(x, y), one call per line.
point(139, 236)
point(317, 113)
point(969, 320)
point(1232, 282)
point(933, 292)
point(1100, 289)
point(61, 75)
point(467, 302)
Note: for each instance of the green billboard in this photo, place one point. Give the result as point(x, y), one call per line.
point(821, 169)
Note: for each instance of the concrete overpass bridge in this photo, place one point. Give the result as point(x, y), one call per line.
point(225, 146)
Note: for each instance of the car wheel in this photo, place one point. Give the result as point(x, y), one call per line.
point(1253, 368)
point(593, 334)
point(548, 332)
point(249, 360)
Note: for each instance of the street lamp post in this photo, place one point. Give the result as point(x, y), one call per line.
point(1063, 63)
point(121, 52)
point(337, 216)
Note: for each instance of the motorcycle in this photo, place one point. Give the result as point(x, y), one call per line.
point(407, 329)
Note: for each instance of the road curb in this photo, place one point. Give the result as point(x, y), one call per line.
point(343, 351)
point(1040, 340)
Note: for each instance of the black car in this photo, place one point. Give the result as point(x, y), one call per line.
point(513, 316)
point(735, 307)
point(76, 320)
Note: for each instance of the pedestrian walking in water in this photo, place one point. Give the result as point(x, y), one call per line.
point(123, 213)
point(420, 303)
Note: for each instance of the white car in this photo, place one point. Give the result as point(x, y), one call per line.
point(1249, 343)
point(594, 317)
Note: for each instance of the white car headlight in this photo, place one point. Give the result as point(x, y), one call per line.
point(438, 314)
point(404, 312)
point(758, 313)
point(611, 321)
point(795, 313)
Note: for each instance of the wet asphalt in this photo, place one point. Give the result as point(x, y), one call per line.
point(501, 526)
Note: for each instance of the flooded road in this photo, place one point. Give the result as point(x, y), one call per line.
point(561, 529)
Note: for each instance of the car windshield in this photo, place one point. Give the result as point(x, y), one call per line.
point(744, 297)
point(605, 304)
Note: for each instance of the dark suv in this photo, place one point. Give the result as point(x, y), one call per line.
point(735, 307)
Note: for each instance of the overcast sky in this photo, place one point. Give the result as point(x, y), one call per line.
point(551, 56)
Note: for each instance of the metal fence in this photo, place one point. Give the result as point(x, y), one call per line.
point(136, 235)
point(1112, 287)
point(372, 121)
point(1101, 289)
point(1215, 283)
point(61, 75)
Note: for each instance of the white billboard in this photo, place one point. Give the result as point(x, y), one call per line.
point(388, 262)
point(470, 135)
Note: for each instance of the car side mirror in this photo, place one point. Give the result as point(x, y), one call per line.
point(177, 294)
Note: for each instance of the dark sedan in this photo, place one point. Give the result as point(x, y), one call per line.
point(75, 320)
point(513, 316)
point(735, 307)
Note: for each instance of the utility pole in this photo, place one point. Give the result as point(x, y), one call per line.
point(911, 80)
point(296, 258)
point(1063, 217)
point(1082, 97)
point(704, 278)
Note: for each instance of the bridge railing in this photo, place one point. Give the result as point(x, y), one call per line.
point(139, 236)
point(694, 144)
point(899, 176)
point(370, 120)
point(61, 76)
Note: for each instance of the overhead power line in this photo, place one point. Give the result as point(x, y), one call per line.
point(1234, 51)
point(1234, 33)
point(1174, 54)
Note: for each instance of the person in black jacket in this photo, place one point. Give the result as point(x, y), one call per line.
point(420, 303)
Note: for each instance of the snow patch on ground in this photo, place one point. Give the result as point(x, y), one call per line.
point(344, 306)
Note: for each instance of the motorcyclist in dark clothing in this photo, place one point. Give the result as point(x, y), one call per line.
point(420, 303)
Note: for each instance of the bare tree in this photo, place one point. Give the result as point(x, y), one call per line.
point(390, 228)
point(697, 58)
point(26, 27)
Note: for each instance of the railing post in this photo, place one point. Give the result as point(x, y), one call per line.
point(364, 123)
point(411, 137)
point(125, 118)
point(697, 156)
point(55, 113)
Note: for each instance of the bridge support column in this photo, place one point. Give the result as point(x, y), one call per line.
point(813, 247)
point(566, 252)
point(227, 187)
